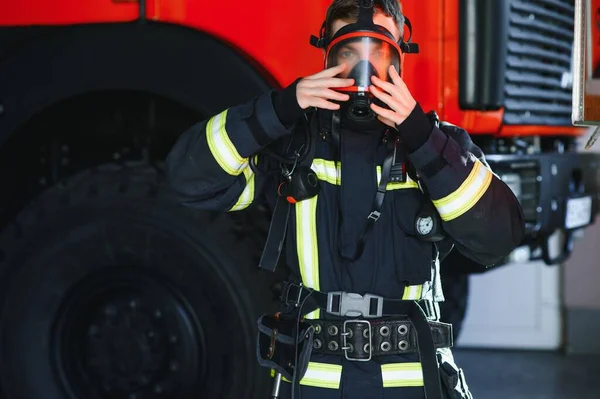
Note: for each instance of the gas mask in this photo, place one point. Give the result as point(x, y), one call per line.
point(367, 50)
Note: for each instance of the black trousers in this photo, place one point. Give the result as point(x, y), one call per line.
point(389, 377)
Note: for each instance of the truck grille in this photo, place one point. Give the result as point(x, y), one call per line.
point(538, 70)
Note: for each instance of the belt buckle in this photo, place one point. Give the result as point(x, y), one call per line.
point(354, 305)
point(345, 346)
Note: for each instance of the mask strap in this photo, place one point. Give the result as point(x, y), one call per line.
point(321, 41)
point(365, 13)
point(407, 46)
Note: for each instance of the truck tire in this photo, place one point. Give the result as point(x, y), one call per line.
point(110, 290)
point(456, 297)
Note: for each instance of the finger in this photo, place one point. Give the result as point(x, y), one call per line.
point(387, 86)
point(400, 93)
point(330, 82)
point(324, 104)
point(328, 94)
point(385, 113)
point(386, 98)
point(329, 72)
point(406, 96)
point(396, 78)
point(338, 82)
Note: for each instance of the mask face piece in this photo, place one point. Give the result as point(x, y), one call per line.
point(367, 49)
point(365, 54)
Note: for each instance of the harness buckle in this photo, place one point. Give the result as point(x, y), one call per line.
point(367, 333)
point(340, 303)
point(297, 299)
point(374, 215)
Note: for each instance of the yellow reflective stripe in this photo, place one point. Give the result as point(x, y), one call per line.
point(327, 171)
point(413, 292)
point(247, 196)
point(222, 148)
point(321, 375)
point(409, 183)
point(401, 186)
point(307, 246)
point(314, 315)
point(467, 195)
point(330, 172)
point(402, 375)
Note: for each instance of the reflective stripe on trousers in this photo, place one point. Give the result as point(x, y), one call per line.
point(393, 375)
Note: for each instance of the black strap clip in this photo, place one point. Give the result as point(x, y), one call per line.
point(294, 294)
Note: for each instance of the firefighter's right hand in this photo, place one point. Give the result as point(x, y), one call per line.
point(315, 90)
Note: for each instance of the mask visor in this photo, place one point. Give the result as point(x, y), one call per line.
point(364, 56)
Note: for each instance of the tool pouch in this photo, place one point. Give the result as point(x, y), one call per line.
point(453, 379)
point(276, 349)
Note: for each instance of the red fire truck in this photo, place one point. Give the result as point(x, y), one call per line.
point(107, 289)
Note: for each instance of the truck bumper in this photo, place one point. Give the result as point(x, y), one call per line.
point(558, 192)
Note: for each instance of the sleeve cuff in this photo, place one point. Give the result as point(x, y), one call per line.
point(432, 150)
point(285, 103)
point(416, 129)
point(254, 125)
point(268, 121)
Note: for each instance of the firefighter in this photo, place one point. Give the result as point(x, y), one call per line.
point(368, 193)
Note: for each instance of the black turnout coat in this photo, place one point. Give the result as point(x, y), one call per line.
point(209, 169)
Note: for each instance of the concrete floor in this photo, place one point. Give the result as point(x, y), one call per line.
point(529, 375)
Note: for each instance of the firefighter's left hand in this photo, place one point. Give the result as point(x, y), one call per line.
point(396, 96)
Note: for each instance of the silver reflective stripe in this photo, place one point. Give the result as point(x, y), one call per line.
point(320, 375)
point(327, 171)
point(396, 375)
point(413, 292)
point(307, 245)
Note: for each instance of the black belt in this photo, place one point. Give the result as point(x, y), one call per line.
point(363, 339)
point(300, 300)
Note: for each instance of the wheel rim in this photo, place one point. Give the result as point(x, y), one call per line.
point(126, 334)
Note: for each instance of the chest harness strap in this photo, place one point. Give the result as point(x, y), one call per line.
point(373, 217)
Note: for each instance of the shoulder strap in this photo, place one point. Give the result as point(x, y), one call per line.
point(281, 213)
point(276, 236)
